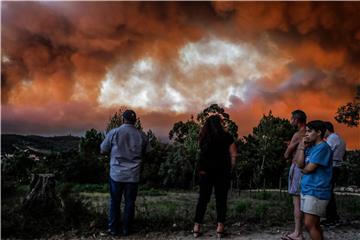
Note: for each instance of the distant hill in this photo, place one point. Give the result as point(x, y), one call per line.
point(9, 143)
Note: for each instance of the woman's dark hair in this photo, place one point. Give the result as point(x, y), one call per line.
point(317, 125)
point(211, 131)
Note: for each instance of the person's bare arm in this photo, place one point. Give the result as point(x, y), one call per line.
point(233, 154)
point(310, 167)
point(292, 146)
point(300, 154)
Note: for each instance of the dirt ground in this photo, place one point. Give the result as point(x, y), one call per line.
point(348, 231)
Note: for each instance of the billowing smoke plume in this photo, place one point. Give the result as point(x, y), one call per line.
point(166, 57)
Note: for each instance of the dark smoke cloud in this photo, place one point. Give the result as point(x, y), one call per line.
point(56, 55)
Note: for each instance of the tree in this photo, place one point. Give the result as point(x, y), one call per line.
point(261, 153)
point(181, 130)
point(180, 166)
point(349, 114)
point(17, 167)
point(91, 166)
point(151, 162)
point(116, 121)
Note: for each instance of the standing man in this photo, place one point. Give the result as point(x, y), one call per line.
point(126, 144)
point(298, 120)
point(338, 146)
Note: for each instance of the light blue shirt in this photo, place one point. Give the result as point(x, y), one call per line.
point(318, 182)
point(338, 146)
point(126, 144)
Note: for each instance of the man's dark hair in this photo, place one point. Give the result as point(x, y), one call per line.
point(129, 116)
point(329, 126)
point(299, 115)
point(317, 125)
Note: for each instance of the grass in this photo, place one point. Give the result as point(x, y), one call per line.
point(160, 210)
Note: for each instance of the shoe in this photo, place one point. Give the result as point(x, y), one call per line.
point(286, 236)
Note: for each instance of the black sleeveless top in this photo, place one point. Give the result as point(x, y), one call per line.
point(215, 155)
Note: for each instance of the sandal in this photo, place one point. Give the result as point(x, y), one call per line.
point(286, 236)
point(220, 233)
point(196, 232)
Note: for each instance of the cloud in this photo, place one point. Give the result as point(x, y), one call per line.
point(173, 59)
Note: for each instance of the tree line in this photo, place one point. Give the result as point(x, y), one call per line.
point(260, 163)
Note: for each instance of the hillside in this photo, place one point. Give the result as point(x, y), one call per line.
point(9, 143)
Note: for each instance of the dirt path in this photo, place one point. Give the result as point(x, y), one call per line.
point(344, 232)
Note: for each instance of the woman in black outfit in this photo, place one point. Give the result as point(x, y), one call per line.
point(217, 159)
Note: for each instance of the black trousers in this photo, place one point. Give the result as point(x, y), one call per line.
point(221, 185)
point(331, 211)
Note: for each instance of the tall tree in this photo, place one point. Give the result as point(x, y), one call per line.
point(349, 114)
point(261, 153)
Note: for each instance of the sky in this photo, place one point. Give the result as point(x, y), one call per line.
point(67, 67)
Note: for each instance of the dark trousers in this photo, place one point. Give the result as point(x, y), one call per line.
point(221, 185)
point(117, 189)
point(331, 211)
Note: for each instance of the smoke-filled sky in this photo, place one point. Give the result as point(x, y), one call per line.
point(67, 66)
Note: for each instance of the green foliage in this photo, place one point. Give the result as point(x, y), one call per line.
point(91, 167)
point(242, 206)
point(17, 166)
point(349, 114)
point(350, 171)
point(182, 156)
point(181, 130)
point(99, 188)
point(152, 161)
point(90, 144)
point(261, 160)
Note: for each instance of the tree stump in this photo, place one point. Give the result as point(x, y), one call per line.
point(42, 199)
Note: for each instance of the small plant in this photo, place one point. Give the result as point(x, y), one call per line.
point(242, 206)
point(261, 210)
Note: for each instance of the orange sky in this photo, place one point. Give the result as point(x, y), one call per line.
point(67, 66)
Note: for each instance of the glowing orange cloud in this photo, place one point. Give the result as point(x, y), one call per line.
point(67, 66)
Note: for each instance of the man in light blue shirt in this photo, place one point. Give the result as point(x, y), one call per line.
point(338, 146)
point(126, 145)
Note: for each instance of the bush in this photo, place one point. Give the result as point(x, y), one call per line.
point(350, 171)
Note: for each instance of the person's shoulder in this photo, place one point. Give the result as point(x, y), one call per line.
point(297, 134)
point(324, 146)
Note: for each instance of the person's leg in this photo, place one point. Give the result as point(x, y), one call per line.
point(130, 193)
point(114, 206)
point(294, 189)
point(331, 211)
point(312, 223)
point(204, 197)
point(221, 193)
